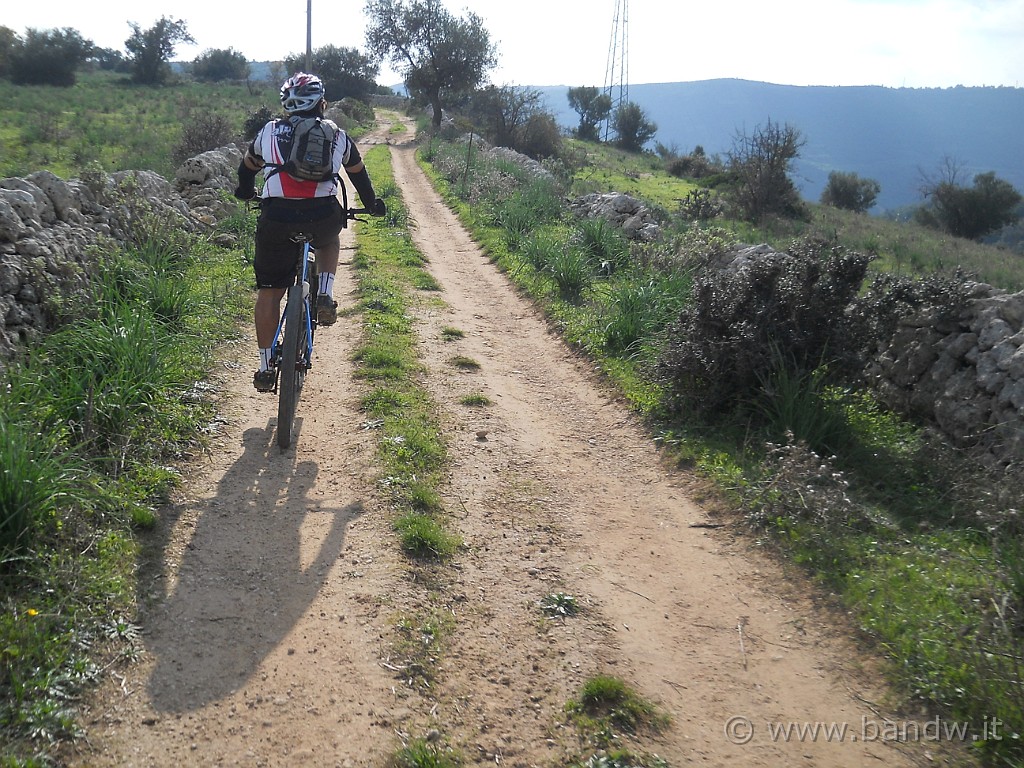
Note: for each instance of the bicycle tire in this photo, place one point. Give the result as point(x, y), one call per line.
point(293, 364)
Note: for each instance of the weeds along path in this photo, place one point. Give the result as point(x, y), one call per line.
point(557, 489)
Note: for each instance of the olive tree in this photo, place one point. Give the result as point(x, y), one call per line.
point(969, 212)
point(48, 57)
point(442, 57)
point(632, 127)
point(593, 107)
point(850, 192)
point(151, 49)
point(346, 72)
point(220, 64)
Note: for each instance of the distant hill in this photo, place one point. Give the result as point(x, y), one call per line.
point(887, 134)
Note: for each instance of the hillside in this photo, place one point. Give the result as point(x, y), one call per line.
point(887, 134)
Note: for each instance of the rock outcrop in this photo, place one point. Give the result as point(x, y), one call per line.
point(623, 211)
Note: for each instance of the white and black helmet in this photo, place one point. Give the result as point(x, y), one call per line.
point(301, 93)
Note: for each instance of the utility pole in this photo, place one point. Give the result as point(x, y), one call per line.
point(309, 35)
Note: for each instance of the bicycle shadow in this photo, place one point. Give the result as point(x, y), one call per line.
point(254, 564)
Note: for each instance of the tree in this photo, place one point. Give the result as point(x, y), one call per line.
point(49, 57)
point(220, 64)
point(9, 40)
point(593, 107)
point(346, 72)
point(969, 212)
point(516, 118)
point(632, 127)
point(151, 49)
point(109, 59)
point(442, 57)
point(760, 165)
point(850, 192)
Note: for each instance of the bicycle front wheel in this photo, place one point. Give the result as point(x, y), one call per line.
point(293, 364)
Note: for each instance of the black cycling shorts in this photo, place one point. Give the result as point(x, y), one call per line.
point(279, 221)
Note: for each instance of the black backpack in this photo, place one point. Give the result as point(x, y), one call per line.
point(310, 150)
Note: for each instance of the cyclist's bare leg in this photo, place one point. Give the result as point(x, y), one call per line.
point(267, 315)
point(327, 256)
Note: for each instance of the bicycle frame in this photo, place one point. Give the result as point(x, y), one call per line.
point(292, 350)
point(302, 277)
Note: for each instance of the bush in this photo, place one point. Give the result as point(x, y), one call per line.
point(850, 192)
point(789, 306)
point(700, 205)
point(256, 120)
point(202, 132)
point(48, 57)
point(220, 64)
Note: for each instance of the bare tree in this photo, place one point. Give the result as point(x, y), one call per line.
point(760, 163)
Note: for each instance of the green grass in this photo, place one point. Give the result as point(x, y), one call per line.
point(464, 363)
point(452, 334)
point(106, 121)
point(421, 753)
point(608, 715)
point(475, 400)
point(412, 449)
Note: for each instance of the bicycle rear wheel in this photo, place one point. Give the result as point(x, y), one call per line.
point(293, 364)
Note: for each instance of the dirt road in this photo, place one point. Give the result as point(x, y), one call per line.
point(269, 627)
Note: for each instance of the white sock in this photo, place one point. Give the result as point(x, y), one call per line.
point(327, 284)
point(265, 359)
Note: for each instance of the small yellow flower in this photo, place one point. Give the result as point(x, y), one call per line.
point(32, 612)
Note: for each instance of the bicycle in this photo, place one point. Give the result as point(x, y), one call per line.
point(292, 350)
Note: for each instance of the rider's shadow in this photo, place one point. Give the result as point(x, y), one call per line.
point(250, 570)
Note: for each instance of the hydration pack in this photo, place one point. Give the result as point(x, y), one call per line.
point(308, 144)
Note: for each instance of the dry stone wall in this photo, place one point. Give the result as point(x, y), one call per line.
point(50, 228)
point(965, 375)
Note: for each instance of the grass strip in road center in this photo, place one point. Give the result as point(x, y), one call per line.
point(412, 449)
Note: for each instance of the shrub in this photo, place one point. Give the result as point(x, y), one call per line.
point(850, 191)
point(603, 244)
point(220, 64)
point(202, 132)
point(700, 205)
point(256, 120)
point(571, 271)
point(726, 343)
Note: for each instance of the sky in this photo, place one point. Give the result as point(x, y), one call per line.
point(894, 43)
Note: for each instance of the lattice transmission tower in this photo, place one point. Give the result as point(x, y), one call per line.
point(616, 75)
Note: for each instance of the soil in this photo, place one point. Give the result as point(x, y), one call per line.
point(274, 614)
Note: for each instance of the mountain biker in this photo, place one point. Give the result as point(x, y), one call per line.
point(289, 205)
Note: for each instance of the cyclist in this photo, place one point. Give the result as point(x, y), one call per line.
point(290, 205)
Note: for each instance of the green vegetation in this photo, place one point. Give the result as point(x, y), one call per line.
point(105, 122)
point(608, 715)
point(452, 334)
point(92, 418)
point(919, 540)
point(421, 753)
point(412, 449)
